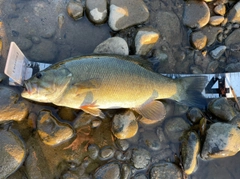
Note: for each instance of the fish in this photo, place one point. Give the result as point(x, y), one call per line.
point(95, 82)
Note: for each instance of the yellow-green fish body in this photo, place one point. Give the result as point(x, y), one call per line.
point(97, 82)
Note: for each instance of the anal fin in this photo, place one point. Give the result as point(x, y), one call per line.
point(153, 110)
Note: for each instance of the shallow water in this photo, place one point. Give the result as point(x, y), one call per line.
point(24, 19)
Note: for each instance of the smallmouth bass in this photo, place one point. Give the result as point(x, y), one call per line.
point(92, 83)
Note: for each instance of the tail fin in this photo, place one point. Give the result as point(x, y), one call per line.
point(190, 91)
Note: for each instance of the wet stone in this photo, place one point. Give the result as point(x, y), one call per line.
point(212, 67)
point(96, 123)
point(161, 136)
point(140, 158)
point(145, 39)
point(35, 39)
point(113, 45)
point(106, 153)
point(211, 32)
point(175, 127)
point(107, 171)
point(122, 144)
point(48, 32)
point(233, 38)
point(196, 14)
point(220, 9)
point(222, 109)
point(96, 11)
point(46, 51)
point(195, 115)
point(123, 156)
point(140, 176)
point(218, 52)
point(198, 40)
point(12, 153)
point(151, 140)
point(23, 43)
point(124, 125)
point(75, 10)
point(216, 20)
point(233, 67)
point(190, 149)
point(93, 151)
point(124, 13)
point(234, 13)
point(222, 140)
point(51, 131)
point(125, 171)
point(165, 170)
point(11, 108)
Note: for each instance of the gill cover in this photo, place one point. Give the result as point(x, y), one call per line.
point(47, 85)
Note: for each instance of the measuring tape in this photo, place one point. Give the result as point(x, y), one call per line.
point(217, 85)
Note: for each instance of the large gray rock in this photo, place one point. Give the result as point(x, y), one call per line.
point(140, 158)
point(12, 153)
point(113, 45)
point(11, 108)
point(96, 11)
point(196, 14)
point(222, 140)
point(125, 13)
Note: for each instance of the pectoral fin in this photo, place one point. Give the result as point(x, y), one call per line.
point(93, 110)
point(86, 85)
point(153, 110)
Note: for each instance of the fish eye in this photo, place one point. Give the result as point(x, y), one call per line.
point(38, 75)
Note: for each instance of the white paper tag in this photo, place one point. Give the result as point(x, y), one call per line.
point(19, 68)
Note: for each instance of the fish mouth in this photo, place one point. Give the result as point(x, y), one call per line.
point(28, 87)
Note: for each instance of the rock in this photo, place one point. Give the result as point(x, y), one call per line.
point(122, 144)
point(195, 70)
point(123, 156)
point(113, 45)
point(106, 153)
point(96, 123)
point(96, 11)
point(216, 20)
point(212, 67)
point(234, 14)
point(139, 176)
point(61, 20)
point(75, 10)
point(51, 131)
point(168, 24)
point(151, 140)
point(196, 14)
point(23, 43)
point(107, 171)
point(233, 38)
point(195, 115)
point(35, 39)
point(140, 158)
point(124, 13)
point(48, 32)
point(221, 141)
point(161, 136)
point(211, 32)
point(93, 151)
point(124, 125)
point(218, 52)
point(45, 51)
point(222, 109)
point(198, 40)
point(220, 9)
point(233, 67)
point(175, 127)
point(125, 171)
point(190, 148)
point(12, 153)
point(145, 39)
point(67, 114)
point(11, 108)
point(165, 170)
